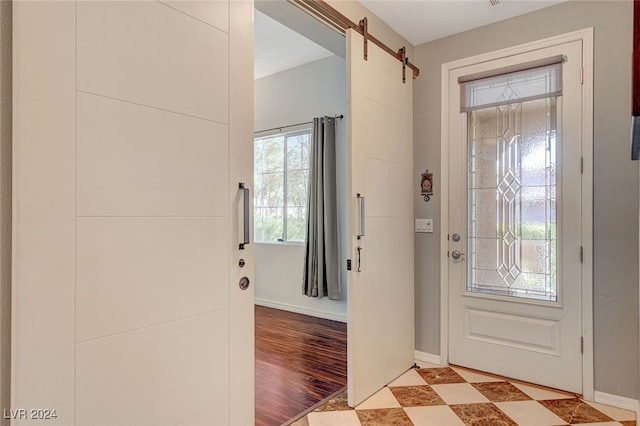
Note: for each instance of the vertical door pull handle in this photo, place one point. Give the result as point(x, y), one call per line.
point(361, 229)
point(245, 196)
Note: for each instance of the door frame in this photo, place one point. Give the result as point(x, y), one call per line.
point(586, 36)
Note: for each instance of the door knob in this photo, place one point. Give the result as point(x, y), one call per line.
point(244, 283)
point(456, 254)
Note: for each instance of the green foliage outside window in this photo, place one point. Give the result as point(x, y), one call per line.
point(281, 173)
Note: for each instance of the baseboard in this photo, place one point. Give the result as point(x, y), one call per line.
point(426, 357)
point(301, 310)
point(617, 401)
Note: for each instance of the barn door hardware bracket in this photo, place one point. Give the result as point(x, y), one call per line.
point(365, 35)
point(402, 55)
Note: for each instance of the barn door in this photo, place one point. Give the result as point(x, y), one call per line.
point(128, 151)
point(380, 289)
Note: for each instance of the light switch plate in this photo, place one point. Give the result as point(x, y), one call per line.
point(428, 225)
point(424, 225)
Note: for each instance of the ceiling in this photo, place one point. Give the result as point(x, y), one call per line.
point(420, 21)
point(278, 47)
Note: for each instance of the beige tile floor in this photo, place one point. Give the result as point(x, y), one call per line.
point(452, 396)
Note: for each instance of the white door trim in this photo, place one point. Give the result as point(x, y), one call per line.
point(586, 36)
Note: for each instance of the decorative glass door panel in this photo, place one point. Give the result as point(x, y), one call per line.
point(511, 199)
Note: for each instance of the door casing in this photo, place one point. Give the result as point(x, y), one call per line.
point(586, 36)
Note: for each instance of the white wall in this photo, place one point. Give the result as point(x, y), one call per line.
point(291, 97)
point(299, 94)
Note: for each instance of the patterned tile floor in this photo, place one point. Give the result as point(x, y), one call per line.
point(453, 396)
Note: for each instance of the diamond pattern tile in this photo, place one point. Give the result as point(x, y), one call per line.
point(500, 392)
point(529, 413)
point(482, 414)
point(575, 411)
point(415, 396)
point(440, 376)
point(419, 398)
point(384, 417)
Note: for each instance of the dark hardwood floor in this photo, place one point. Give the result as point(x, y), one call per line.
point(300, 360)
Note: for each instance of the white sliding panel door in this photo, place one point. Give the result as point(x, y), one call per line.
point(380, 288)
point(128, 150)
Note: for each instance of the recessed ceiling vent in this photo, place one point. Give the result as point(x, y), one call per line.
point(495, 2)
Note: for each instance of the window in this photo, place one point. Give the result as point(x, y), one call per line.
point(512, 169)
point(281, 173)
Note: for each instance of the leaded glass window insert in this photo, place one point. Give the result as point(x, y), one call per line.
point(511, 200)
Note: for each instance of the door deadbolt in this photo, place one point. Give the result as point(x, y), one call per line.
point(455, 237)
point(244, 283)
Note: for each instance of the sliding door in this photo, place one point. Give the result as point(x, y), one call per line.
point(380, 287)
point(128, 150)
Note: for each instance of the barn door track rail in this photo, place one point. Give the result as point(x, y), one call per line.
point(329, 15)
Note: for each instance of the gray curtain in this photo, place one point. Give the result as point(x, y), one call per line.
point(321, 265)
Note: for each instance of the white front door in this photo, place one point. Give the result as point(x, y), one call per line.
point(515, 222)
point(380, 285)
point(128, 151)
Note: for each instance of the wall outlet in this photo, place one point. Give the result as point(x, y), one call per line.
point(424, 225)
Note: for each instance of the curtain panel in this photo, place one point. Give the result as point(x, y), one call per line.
point(321, 267)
